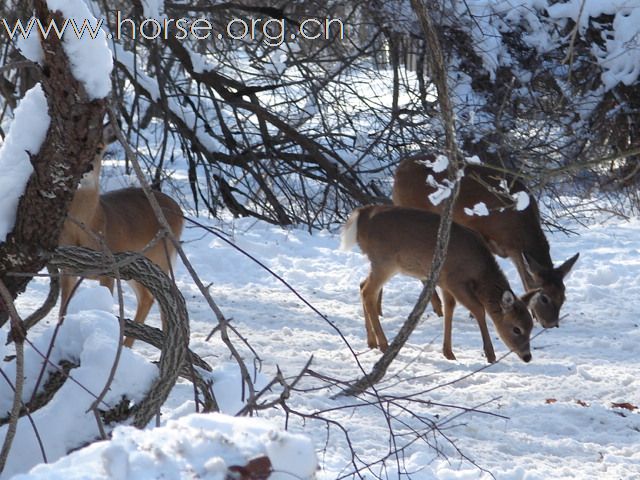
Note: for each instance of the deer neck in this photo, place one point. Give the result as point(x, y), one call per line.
point(84, 204)
point(535, 241)
point(537, 247)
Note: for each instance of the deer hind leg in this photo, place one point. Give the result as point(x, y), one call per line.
point(145, 301)
point(379, 308)
point(467, 298)
point(370, 294)
point(449, 306)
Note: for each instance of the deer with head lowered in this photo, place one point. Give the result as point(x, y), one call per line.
point(120, 220)
point(402, 240)
point(509, 232)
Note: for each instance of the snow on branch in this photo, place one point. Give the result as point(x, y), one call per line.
point(440, 164)
point(522, 200)
point(443, 188)
point(618, 56)
point(480, 209)
point(89, 55)
point(28, 131)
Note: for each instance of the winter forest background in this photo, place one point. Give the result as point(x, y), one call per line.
point(267, 143)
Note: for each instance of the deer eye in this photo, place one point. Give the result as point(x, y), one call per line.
point(544, 299)
point(517, 330)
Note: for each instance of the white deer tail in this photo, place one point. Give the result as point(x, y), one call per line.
point(349, 235)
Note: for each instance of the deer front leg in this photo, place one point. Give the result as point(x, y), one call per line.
point(449, 306)
point(469, 300)
point(486, 338)
point(370, 293)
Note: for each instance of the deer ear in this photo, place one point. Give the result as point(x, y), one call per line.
point(108, 134)
point(533, 267)
point(507, 300)
point(566, 267)
point(527, 297)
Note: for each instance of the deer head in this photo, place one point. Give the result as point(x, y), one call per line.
point(546, 303)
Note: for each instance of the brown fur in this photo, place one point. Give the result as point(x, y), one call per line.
point(402, 240)
point(508, 232)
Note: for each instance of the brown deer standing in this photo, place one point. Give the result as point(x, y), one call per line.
point(402, 240)
point(121, 220)
point(509, 232)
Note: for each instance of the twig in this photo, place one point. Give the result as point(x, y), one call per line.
point(36, 432)
point(19, 333)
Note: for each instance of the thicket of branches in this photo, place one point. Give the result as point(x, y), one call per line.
point(301, 131)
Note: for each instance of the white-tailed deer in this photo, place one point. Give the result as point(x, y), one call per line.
point(509, 232)
point(402, 240)
point(120, 220)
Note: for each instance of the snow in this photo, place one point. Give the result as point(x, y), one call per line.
point(485, 33)
point(194, 446)
point(444, 187)
point(201, 63)
point(90, 58)
point(443, 190)
point(440, 164)
point(522, 200)
point(129, 61)
point(89, 337)
point(27, 132)
point(620, 55)
point(490, 20)
point(31, 48)
point(153, 9)
point(479, 209)
point(550, 419)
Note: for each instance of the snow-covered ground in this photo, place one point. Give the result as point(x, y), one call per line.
point(552, 418)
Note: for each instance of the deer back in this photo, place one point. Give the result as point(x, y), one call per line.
point(130, 222)
point(406, 238)
point(505, 228)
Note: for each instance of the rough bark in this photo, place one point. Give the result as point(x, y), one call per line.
point(134, 266)
point(69, 147)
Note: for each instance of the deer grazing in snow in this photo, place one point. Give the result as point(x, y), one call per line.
point(120, 220)
point(509, 232)
point(402, 240)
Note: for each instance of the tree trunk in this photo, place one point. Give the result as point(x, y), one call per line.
point(72, 139)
